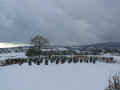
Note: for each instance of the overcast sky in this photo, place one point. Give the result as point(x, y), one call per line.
point(62, 21)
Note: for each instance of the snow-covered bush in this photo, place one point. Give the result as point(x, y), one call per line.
point(114, 83)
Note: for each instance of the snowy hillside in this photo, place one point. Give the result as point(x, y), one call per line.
point(9, 45)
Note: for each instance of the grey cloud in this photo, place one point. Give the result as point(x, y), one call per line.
point(87, 21)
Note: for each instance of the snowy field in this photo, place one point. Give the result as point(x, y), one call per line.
point(57, 77)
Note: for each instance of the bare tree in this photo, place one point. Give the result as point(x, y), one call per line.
point(38, 42)
point(114, 83)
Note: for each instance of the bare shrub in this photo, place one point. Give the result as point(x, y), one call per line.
point(114, 83)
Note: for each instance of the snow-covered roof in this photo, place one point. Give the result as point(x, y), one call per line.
point(62, 49)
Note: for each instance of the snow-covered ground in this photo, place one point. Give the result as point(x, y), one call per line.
point(12, 55)
point(57, 77)
point(116, 58)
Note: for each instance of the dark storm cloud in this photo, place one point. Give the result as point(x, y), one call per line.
point(87, 21)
